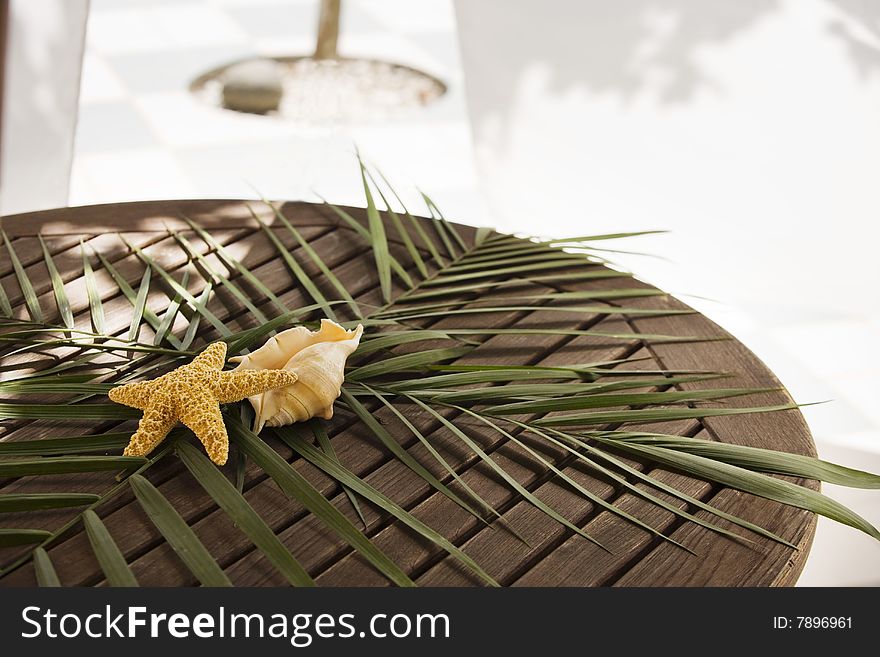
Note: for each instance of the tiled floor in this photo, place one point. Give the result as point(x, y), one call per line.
point(143, 136)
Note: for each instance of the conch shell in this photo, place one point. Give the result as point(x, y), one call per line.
point(316, 357)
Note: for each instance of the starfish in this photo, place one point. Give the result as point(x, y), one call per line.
point(192, 394)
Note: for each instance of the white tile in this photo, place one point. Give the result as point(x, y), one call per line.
point(863, 392)
point(285, 45)
point(123, 30)
point(180, 119)
point(833, 348)
point(246, 3)
point(99, 82)
point(132, 175)
point(409, 17)
point(157, 28)
point(112, 126)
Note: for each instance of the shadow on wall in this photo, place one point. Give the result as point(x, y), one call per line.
point(858, 28)
point(640, 46)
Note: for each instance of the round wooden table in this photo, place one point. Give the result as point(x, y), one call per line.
point(552, 554)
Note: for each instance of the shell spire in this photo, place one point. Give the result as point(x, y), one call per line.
point(317, 358)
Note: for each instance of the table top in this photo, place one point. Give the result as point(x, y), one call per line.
point(550, 555)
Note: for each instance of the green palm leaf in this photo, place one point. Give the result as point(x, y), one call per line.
point(763, 460)
point(232, 264)
point(342, 475)
point(406, 362)
point(378, 239)
point(402, 231)
point(24, 282)
point(14, 537)
point(400, 453)
point(61, 299)
point(323, 439)
point(511, 481)
point(106, 551)
point(298, 272)
point(46, 575)
point(149, 316)
point(246, 519)
point(67, 464)
point(298, 488)
point(751, 482)
point(139, 306)
point(653, 415)
point(197, 305)
point(317, 260)
point(180, 537)
point(216, 277)
point(96, 308)
point(39, 501)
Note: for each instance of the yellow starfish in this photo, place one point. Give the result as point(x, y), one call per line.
point(193, 394)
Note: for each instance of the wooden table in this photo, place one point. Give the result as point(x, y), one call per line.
point(555, 556)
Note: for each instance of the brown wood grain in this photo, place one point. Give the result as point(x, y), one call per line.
point(553, 554)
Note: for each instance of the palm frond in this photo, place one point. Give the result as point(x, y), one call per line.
point(46, 575)
point(317, 260)
point(41, 501)
point(180, 537)
point(61, 299)
point(298, 488)
point(233, 264)
point(295, 268)
point(96, 307)
point(112, 562)
point(752, 482)
point(24, 282)
point(243, 515)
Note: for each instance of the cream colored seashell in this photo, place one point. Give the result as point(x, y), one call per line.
point(318, 359)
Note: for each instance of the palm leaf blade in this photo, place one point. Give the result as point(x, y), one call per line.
point(179, 535)
point(14, 537)
point(61, 299)
point(406, 362)
point(765, 460)
point(45, 571)
point(96, 308)
point(24, 282)
point(39, 501)
point(139, 306)
point(752, 482)
point(315, 258)
point(299, 273)
point(323, 439)
point(233, 263)
point(246, 519)
point(653, 415)
point(297, 487)
point(511, 481)
point(401, 454)
point(339, 473)
point(109, 557)
point(378, 239)
point(68, 464)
